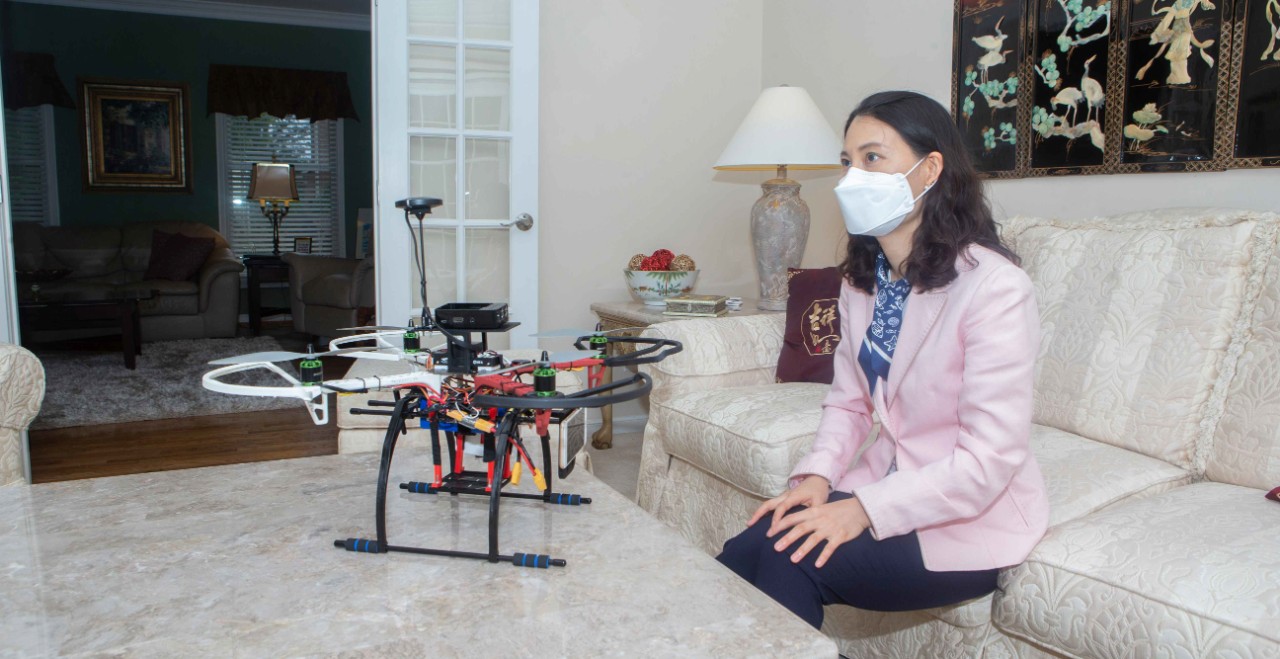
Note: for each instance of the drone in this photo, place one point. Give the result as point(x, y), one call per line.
point(457, 390)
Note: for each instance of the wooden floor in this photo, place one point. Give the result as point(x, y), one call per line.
point(129, 448)
point(204, 441)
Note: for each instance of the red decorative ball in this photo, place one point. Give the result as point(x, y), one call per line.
point(662, 259)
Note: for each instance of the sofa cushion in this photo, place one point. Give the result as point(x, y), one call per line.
point(1082, 476)
point(748, 436)
point(135, 239)
point(1190, 573)
point(176, 257)
point(1246, 442)
point(813, 326)
point(173, 298)
point(1136, 315)
point(87, 251)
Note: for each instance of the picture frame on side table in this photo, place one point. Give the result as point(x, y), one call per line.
point(134, 135)
point(302, 245)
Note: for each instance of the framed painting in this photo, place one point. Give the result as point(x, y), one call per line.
point(134, 135)
point(1171, 82)
point(1257, 112)
point(988, 50)
point(1070, 58)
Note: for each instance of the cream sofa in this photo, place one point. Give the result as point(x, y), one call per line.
point(103, 258)
point(1157, 427)
point(21, 392)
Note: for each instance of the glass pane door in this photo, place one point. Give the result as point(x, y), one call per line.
point(467, 69)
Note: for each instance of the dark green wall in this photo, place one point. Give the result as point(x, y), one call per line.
point(114, 44)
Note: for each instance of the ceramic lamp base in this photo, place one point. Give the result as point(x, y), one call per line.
point(779, 231)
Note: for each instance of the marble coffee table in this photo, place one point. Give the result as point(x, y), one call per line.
point(239, 561)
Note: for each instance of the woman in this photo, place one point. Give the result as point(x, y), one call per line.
point(940, 336)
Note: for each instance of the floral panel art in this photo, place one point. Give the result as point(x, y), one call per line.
point(988, 49)
point(1172, 81)
point(1070, 59)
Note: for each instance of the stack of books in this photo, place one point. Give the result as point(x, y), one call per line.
point(697, 305)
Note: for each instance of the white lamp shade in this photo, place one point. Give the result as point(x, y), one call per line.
point(273, 181)
point(784, 127)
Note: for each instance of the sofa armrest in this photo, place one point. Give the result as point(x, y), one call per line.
point(220, 262)
point(363, 291)
point(22, 390)
point(730, 351)
point(305, 267)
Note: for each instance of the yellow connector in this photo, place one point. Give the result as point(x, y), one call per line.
point(479, 424)
point(515, 473)
point(539, 480)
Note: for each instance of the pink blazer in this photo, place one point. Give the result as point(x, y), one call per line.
point(955, 413)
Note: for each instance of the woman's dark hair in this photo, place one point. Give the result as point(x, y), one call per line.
point(956, 213)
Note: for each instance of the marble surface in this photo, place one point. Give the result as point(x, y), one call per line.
point(239, 561)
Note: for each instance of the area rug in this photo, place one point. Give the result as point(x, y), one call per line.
point(91, 388)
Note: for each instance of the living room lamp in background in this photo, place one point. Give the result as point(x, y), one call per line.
point(273, 185)
point(783, 129)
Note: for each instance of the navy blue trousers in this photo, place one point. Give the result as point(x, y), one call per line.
point(878, 575)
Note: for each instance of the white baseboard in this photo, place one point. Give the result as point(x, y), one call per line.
point(621, 424)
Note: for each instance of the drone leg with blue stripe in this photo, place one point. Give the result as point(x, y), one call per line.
point(495, 482)
point(561, 498)
point(394, 428)
point(435, 450)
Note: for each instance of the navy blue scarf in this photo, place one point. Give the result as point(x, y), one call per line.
point(876, 354)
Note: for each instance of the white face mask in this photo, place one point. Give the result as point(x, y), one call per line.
point(875, 203)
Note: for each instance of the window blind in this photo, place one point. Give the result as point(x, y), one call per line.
point(32, 179)
point(314, 150)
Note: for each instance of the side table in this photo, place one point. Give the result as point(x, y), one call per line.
point(262, 270)
point(632, 318)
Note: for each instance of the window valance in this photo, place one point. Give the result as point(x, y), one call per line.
point(250, 91)
point(30, 79)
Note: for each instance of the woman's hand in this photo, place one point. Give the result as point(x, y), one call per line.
point(812, 491)
point(837, 522)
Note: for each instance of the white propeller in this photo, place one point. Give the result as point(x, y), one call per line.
point(280, 356)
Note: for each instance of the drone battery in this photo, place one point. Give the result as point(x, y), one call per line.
point(472, 315)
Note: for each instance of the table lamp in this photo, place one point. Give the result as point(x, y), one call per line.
point(273, 185)
point(783, 129)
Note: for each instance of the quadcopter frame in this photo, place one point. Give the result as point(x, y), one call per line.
point(502, 445)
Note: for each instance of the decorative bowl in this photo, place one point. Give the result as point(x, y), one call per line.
point(653, 287)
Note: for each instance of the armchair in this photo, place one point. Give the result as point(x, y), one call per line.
point(21, 392)
point(327, 292)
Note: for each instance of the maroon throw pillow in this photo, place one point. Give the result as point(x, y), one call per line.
point(813, 326)
point(176, 257)
point(1274, 495)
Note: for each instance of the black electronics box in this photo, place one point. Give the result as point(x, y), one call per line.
point(472, 315)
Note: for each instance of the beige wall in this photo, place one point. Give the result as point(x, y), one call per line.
point(842, 50)
point(638, 98)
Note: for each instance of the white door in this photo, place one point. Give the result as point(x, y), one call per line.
point(455, 108)
point(8, 300)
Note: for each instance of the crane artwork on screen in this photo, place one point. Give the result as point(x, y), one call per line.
point(459, 389)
